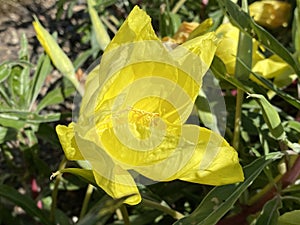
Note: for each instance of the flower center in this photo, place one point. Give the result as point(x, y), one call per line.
point(141, 117)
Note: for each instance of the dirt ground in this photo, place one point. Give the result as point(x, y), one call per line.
point(16, 18)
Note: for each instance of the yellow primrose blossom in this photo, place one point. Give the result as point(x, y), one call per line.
point(271, 13)
point(272, 67)
point(227, 49)
point(132, 115)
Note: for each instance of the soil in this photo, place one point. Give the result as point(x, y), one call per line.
point(16, 19)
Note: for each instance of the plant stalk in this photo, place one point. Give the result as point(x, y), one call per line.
point(237, 119)
point(175, 214)
point(86, 200)
point(124, 213)
point(62, 165)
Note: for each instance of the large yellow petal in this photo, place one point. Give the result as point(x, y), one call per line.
point(213, 162)
point(204, 47)
point(118, 185)
point(112, 178)
point(137, 27)
point(68, 141)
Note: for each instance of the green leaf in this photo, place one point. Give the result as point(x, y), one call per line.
point(269, 214)
point(221, 199)
point(271, 117)
point(247, 25)
point(23, 53)
point(168, 22)
point(7, 134)
point(18, 119)
point(244, 52)
point(210, 104)
point(55, 96)
point(296, 28)
point(5, 70)
point(26, 203)
point(219, 70)
point(288, 98)
point(83, 57)
point(46, 132)
point(14, 83)
point(5, 98)
point(294, 125)
point(102, 36)
point(11, 121)
point(43, 69)
point(289, 218)
point(87, 175)
point(23, 93)
point(102, 211)
point(61, 218)
point(205, 113)
point(3, 131)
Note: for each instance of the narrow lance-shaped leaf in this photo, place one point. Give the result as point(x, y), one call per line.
point(221, 199)
point(269, 214)
point(18, 119)
point(43, 69)
point(219, 70)
point(289, 218)
point(55, 96)
point(24, 81)
point(288, 98)
point(296, 28)
point(271, 117)
point(102, 211)
point(244, 51)
point(23, 53)
point(26, 203)
point(14, 84)
point(5, 98)
point(5, 70)
point(101, 34)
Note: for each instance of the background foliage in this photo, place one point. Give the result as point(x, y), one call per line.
point(262, 124)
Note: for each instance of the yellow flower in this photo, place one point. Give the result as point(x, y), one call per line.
point(272, 67)
point(132, 115)
point(227, 49)
point(271, 14)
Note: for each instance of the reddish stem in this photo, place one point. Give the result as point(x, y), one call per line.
point(287, 179)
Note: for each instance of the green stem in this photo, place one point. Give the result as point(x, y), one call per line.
point(176, 215)
point(125, 214)
point(265, 190)
point(62, 165)
point(86, 200)
point(237, 119)
point(178, 6)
